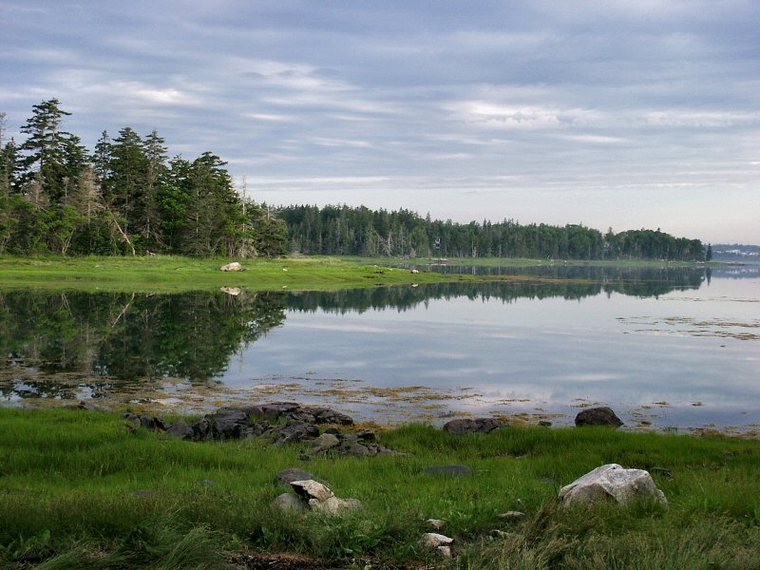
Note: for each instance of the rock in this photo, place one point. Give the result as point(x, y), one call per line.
point(311, 489)
point(229, 423)
point(478, 425)
point(88, 406)
point(612, 481)
point(366, 436)
point(152, 423)
point(545, 423)
point(450, 470)
point(234, 266)
point(324, 442)
point(437, 524)
point(438, 542)
point(415, 271)
point(328, 416)
point(335, 506)
point(602, 416)
point(181, 430)
point(289, 502)
point(287, 476)
point(512, 515)
point(293, 432)
point(232, 291)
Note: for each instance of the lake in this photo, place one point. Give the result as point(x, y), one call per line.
point(666, 348)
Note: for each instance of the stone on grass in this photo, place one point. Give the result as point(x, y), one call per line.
point(287, 476)
point(449, 470)
point(602, 416)
point(234, 266)
point(437, 524)
point(335, 506)
point(288, 502)
point(181, 430)
point(612, 482)
point(439, 542)
point(324, 442)
point(311, 489)
point(477, 425)
point(512, 515)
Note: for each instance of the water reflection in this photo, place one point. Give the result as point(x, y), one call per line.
point(509, 341)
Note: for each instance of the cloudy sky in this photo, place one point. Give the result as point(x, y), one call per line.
point(622, 113)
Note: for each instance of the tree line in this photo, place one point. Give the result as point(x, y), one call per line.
point(125, 197)
point(128, 197)
point(344, 230)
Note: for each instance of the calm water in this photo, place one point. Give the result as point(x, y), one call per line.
point(675, 348)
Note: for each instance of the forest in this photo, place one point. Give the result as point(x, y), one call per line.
point(342, 230)
point(128, 197)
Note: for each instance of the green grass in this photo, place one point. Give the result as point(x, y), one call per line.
point(80, 490)
point(170, 273)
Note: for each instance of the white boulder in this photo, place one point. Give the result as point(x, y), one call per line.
point(612, 481)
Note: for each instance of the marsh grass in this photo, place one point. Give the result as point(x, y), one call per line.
point(79, 489)
point(173, 273)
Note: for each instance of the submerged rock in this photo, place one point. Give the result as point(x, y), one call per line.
point(612, 482)
point(602, 416)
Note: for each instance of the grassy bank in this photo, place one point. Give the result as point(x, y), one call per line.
point(80, 489)
point(168, 273)
point(171, 273)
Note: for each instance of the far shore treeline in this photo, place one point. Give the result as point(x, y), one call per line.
point(128, 197)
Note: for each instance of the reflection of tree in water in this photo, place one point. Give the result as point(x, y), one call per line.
point(635, 282)
point(101, 340)
point(123, 337)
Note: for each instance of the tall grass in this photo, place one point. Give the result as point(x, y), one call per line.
point(81, 488)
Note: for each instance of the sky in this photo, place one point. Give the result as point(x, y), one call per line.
point(623, 114)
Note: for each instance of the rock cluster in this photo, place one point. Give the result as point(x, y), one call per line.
point(476, 425)
point(312, 495)
point(279, 422)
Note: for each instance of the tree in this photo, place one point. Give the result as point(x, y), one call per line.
point(52, 157)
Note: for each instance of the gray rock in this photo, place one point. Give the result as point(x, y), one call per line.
point(288, 502)
point(612, 482)
point(467, 426)
point(181, 430)
point(602, 416)
point(435, 540)
point(311, 489)
point(229, 424)
point(293, 432)
point(151, 423)
point(234, 266)
point(436, 524)
point(287, 476)
point(449, 470)
point(335, 506)
point(512, 515)
point(324, 442)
